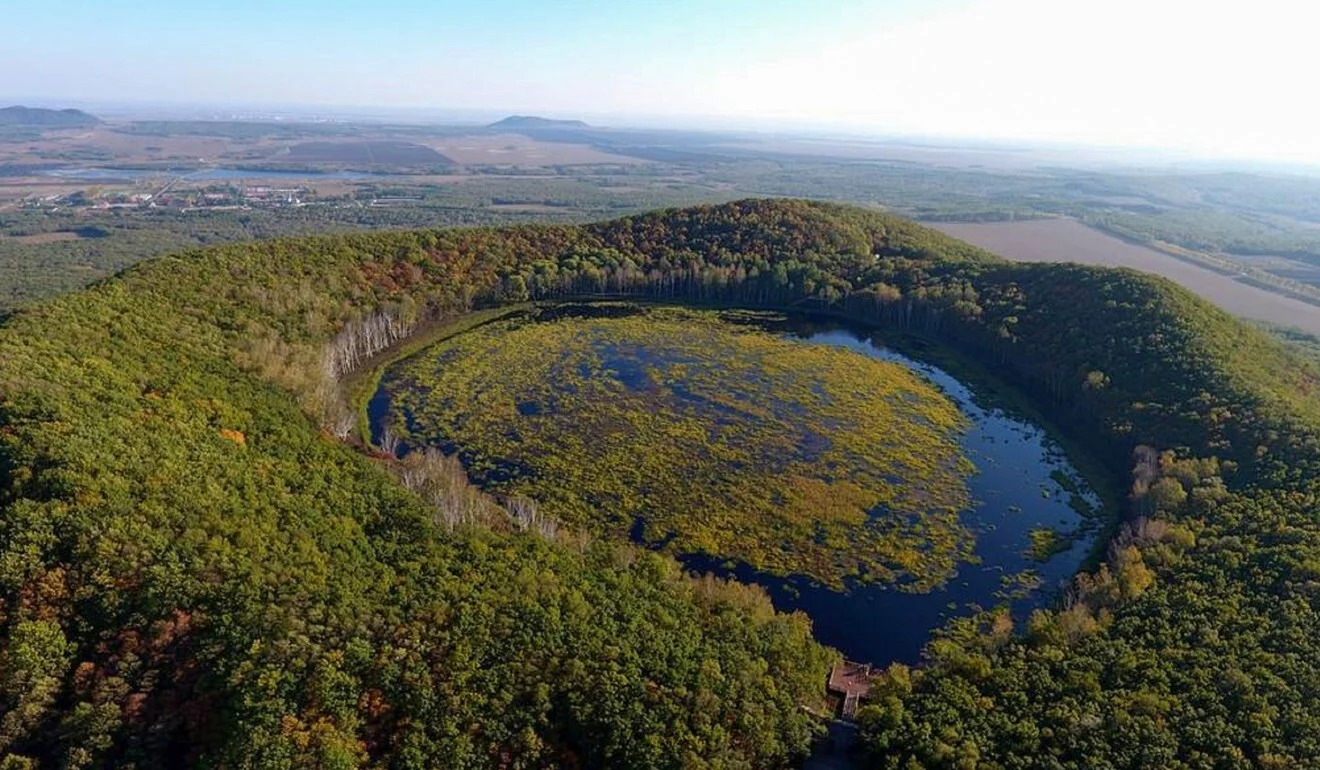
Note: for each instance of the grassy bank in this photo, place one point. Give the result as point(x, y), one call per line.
point(361, 385)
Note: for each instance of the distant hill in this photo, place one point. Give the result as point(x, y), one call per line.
point(39, 116)
point(531, 121)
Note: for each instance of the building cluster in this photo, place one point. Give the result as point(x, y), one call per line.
point(215, 197)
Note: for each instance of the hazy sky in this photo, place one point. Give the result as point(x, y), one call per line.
point(1232, 78)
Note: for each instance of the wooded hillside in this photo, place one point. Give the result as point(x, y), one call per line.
point(194, 569)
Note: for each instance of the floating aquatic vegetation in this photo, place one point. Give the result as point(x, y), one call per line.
point(702, 432)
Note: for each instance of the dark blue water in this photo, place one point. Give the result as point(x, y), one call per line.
point(1022, 482)
point(1016, 488)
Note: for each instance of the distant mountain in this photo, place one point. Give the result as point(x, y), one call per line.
point(41, 117)
point(531, 121)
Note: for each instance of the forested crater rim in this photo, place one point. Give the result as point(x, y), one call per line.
point(162, 496)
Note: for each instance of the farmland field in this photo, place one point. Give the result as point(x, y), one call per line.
point(372, 152)
point(1283, 266)
point(107, 144)
point(518, 150)
point(55, 237)
point(1066, 240)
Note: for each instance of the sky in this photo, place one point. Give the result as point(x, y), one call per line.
point(1207, 77)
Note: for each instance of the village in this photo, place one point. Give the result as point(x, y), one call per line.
point(211, 197)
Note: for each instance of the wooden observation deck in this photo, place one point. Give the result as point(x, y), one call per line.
point(852, 682)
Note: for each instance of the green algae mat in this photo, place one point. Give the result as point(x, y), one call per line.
point(701, 432)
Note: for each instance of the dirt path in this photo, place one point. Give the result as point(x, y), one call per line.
point(836, 751)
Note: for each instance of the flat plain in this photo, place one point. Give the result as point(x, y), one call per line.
point(518, 150)
point(370, 152)
point(1067, 240)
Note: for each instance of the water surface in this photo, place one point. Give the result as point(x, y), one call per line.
point(1022, 482)
point(1019, 485)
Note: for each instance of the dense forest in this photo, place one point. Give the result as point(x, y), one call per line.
point(196, 570)
point(1219, 232)
point(44, 252)
point(1263, 225)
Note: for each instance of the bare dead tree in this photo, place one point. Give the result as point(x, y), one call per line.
point(363, 338)
point(338, 418)
point(389, 443)
point(356, 343)
point(441, 480)
point(522, 511)
point(527, 517)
